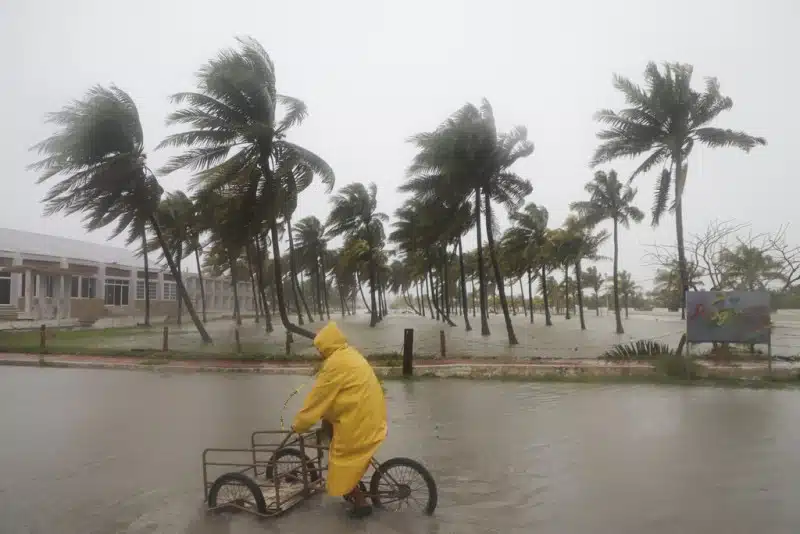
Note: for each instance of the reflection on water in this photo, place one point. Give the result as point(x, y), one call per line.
point(103, 451)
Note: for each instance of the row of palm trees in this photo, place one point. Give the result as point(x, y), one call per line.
point(248, 177)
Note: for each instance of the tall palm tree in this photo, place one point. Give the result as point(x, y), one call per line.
point(99, 150)
point(627, 287)
point(594, 280)
point(468, 155)
point(354, 215)
point(610, 199)
point(583, 245)
point(311, 247)
point(528, 237)
point(664, 121)
point(234, 131)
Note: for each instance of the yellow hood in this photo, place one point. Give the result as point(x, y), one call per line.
point(330, 339)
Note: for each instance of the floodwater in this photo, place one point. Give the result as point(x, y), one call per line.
point(564, 339)
point(103, 452)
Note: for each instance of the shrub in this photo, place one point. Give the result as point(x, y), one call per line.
point(643, 349)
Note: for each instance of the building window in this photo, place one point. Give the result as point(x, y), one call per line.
point(49, 284)
point(83, 287)
point(117, 291)
point(151, 290)
point(170, 291)
point(5, 288)
point(88, 287)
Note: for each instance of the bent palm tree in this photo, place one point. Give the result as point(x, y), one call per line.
point(609, 199)
point(354, 215)
point(100, 151)
point(665, 119)
point(234, 130)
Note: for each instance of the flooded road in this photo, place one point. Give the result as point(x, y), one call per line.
point(119, 452)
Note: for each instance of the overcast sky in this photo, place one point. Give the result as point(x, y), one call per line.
point(373, 73)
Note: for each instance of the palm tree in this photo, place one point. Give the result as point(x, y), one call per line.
point(529, 237)
point(354, 215)
point(609, 199)
point(99, 149)
point(582, 245)
point(665, 119)
point(594, 280)
point(234, 131)
point(748, 268)
point(466, 155)
point(311, 248)
point(627, 287)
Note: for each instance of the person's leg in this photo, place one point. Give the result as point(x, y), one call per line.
point(361, 508)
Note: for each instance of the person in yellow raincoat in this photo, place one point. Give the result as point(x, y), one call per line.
point(348, 395)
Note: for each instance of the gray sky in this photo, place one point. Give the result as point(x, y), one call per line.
point(374, 73)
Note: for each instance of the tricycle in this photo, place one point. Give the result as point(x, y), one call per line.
point(282, 469)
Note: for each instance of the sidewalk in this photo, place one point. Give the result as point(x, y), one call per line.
point(424, 367)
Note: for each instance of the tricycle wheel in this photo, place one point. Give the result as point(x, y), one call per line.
point(237, 490)
point(287, 464)
point(403, 481)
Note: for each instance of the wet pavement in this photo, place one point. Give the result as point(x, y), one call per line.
point(85, 451)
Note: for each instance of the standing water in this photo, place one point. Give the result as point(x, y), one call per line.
point(119, 452)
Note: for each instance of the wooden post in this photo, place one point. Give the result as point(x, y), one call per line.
point(43, 338)
point(408, 352)
point(442, 345)
point(165, 342)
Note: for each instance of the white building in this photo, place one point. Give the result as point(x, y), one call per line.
point(47, 277)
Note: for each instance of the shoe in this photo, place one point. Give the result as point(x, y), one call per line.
point(361, 512)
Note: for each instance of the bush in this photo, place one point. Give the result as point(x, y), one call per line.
point(643, 349)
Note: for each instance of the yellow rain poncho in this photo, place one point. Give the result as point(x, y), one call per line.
point(348, 395)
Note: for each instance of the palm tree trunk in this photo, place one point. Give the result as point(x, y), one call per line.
point(373, 319)
point(580, 293)
point(202, 283)
point(620, 330)
point(597, 302)
point(428, 285)
point(439, 311)
point(512, 338)
point(463, 284)
point(176, 274)
point(547, 319)
point(626, 305)
point(276, 253)
point(341, 299)
point(180, 300)
point(481, 274)
point(325, 285)
point(522, 296)
point(237, 312)
point(409, 303)
point(680, 179)
point(378, 292)
point(298, 294)
point(146, 278)
point(472, 282)
point(317, 277)
point(252, 280)
point(420, 300)
point(566, 292)
point(530, 293)
point(363, 298)
point(262, 254)
point(513, 304)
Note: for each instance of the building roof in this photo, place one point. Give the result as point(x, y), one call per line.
point(61, 247)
